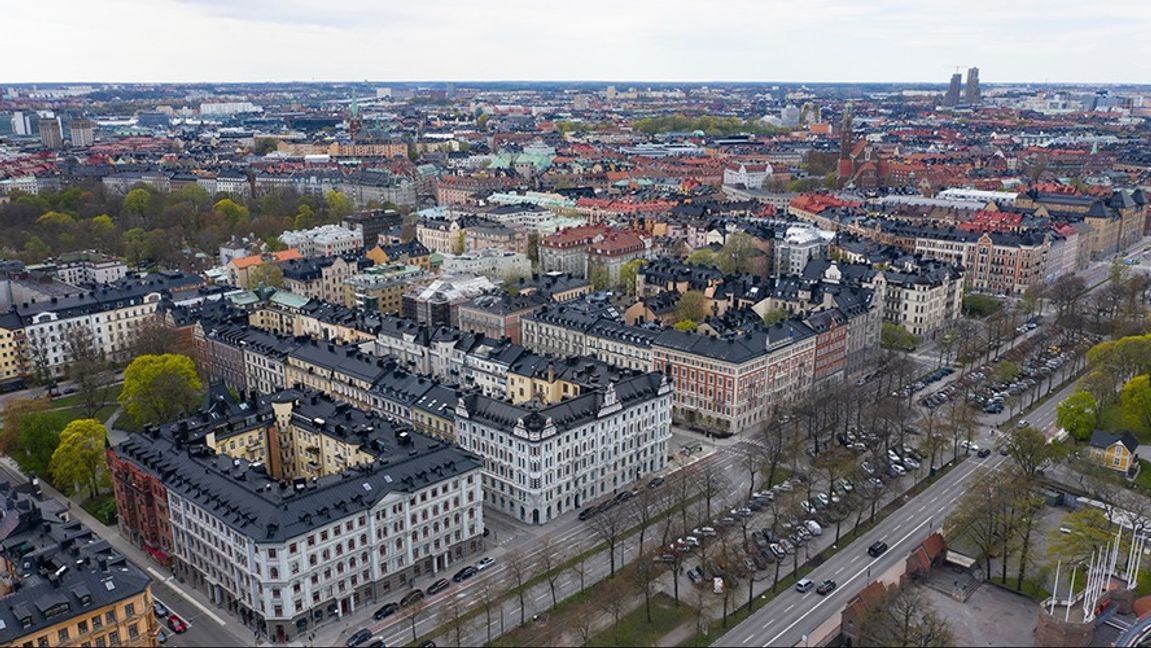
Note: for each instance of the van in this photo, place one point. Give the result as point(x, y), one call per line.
point(804, 585)
point(814, 527)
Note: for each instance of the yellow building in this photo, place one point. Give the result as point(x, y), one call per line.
point(60, 587)
point(11, 348)
point(1113, 451)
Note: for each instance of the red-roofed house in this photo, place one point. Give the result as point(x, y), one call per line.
point(614, 249)
point(240, 268)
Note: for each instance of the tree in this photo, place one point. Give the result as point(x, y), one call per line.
point(233, 212)
point(412, 613)
point(519, 570)
point(976, 305)
point(137, 202)
point(1135, 401)
point(14, 413)
point(584, 618)
point(78, 458)
point(627, 275)
point(703, 257)
point(533, 251)
point(895, 336)
point(692, 305)
point(977, 517)
point(598, 275)
point(1077, 415)
point(1090, 531)
point(266, 274)
point(338, 205)
point(1006, 372)
point(902, 617)
point(608, 526)
point(459, 246)
point(88, 369)
point(39, 436)
point(735, 255)
point(265, 145)
point(613, 601)
point(305, 217)
point(687, 326)
point(160, 388)
point(644, 575)
point(1030, 451)
point(550, 557)
point(451, 615)
point(774, 316)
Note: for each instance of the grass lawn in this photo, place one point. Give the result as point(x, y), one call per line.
point(634, 630)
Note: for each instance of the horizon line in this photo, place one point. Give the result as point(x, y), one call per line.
point(982, 82)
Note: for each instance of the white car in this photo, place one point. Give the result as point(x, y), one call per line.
point(911, 463)
point(484, 563)
point(703, 531)
point(900, 470)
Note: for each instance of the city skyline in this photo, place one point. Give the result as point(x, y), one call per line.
point(832, 41)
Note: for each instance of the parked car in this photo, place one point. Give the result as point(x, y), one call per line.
point(703, 531)
point(465, 573)
point(984, 453)
point(438, 586)
point(411, 597)
point(160, 610)
point(826, 587)
point(484, 563)
point(695, 574)
point(666, 558)
point(358, 637)
point(814, 528)
point(656, 482)
point(176, 624)
point(804, 585)
point(586, 513)
point(385, 611)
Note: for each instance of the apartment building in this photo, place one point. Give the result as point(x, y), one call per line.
point(324, 241)
point(541, 461)
point(321, 277)
point(498, 316)
point(293, 509)
point(62, 585)
point(89, 267)
point(381, 288)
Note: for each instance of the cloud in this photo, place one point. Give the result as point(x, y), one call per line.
point(677, 40)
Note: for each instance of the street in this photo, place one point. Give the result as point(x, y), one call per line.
point(791, 617)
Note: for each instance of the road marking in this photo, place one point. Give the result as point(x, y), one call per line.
point(897, 526)
point(749, 638)
point(788, 608)
point(837, 571)
point(765, 626)
point(160, 577)
point(773, 641)
point(854, 558)
point(922, 508)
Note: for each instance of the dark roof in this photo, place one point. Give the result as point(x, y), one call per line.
point(1101, 439)
point(243, 495)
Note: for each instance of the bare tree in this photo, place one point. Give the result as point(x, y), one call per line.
point(580, 568)
point(88, 369)
point(644, 575)
point(903, 617)
point(520, 569)
point(155, 337)
point(583, 619)
point(451, 616)
point(709, 483)
point(645, 505)
point(612, 601)
point(608, 527)
point(412, 614)
point(550, 557)
point(489, 592)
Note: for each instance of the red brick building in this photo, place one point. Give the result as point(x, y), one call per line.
point(142, 502)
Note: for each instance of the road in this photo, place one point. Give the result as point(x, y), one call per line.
point(791, 616)
point(206, 626)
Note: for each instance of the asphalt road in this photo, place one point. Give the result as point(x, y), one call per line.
point(792, 616)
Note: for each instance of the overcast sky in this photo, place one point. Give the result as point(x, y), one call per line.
point(664, 40)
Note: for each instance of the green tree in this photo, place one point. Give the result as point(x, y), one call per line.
point(977, 305)
point(1031, 452)
point(627, 275)
point(460, 244)
point(703, 257)
point(686, 325)
point(774, 316)
point(267, 274)
point(160, 388)
point(234, 213)
point(1135, 401)
point(1006, 371)
point(1077, 415)
point(15, 411)
point(1090, 530)
point(305, 217)
point(598, 275)
point(137, 202)
point(39, 437)
point(736, 253)
point(692, 305)
point(35, 250)
point(265, 145)
point(533, 251)
point(77, 460)
point(338, 204)
point(895, 336)
point(56, 219)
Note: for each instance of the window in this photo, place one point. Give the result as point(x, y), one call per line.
point(130, 609)
point(110, 617)
point(97, 623)
point(100, 642)
point(62, 634)
point(82, 627)
point(133, 631)
point(42, 641)
point(113, 638)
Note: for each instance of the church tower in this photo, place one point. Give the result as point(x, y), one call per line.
point(846, 143)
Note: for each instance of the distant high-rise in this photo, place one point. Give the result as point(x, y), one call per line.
point(952, 97)
point(972, 94)
point(50, 133)
point(83, 132)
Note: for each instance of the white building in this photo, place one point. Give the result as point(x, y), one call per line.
point(749, 178)
point(489, 262)
point(801, 243)
point(383, 505)
point(543, 461)
point(325, 240)
point(229, 108)
point(90, 267)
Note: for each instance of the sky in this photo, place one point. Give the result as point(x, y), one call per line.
point(663, 40)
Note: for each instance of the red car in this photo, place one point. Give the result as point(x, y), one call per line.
point(176, 624)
